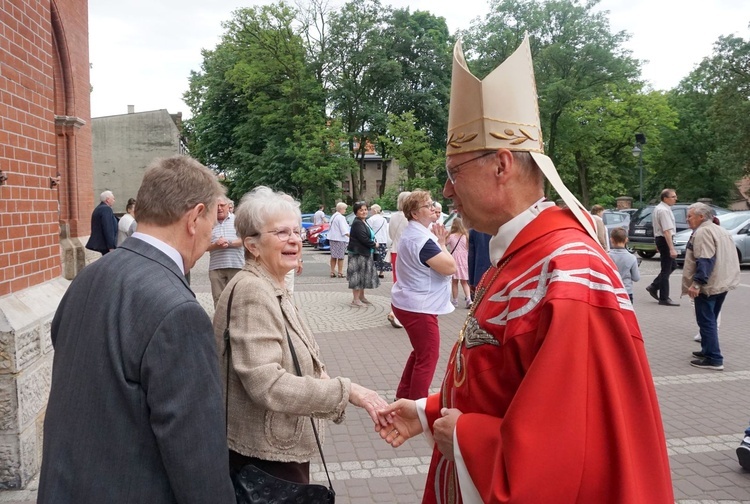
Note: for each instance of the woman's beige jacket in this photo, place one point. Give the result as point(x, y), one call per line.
point(269, 405)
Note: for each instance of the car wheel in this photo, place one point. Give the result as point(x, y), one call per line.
point(647, 254)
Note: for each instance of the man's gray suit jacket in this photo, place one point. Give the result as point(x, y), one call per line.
point(135, 413)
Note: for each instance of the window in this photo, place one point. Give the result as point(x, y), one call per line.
point(378, 185)
point(347, 188)
point(364, 185)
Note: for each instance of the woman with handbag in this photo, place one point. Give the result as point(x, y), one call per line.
point(360, 270)
point(422, 292)
point(379, 226)
point(458, 245)
point(276, 382)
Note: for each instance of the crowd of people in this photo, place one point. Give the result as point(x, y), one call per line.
point(152, 401)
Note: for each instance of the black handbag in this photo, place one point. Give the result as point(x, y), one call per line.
point(376, 255)
point(255, 486)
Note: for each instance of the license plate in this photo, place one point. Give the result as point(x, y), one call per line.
point(640, 231)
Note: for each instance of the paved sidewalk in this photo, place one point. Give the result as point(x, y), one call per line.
point(704, 412)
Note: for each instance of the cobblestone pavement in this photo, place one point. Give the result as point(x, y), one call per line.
point(704, 412)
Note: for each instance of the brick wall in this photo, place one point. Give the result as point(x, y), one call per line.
point(37, 37)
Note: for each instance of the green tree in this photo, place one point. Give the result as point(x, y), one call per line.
point(597, 137)
point(410, 146)
point(269, 93)
point(710, 149)
point(576, 59)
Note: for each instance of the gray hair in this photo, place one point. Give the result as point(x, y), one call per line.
point(701, 209)
point(258, 207)
point(375, 208)
point(105, 196)
point(341, 206)
point(401, 198)
point(437, 205)
point(173, 186)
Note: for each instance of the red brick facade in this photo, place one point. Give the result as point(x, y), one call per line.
point(45, 132)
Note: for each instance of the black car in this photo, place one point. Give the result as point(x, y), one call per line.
point(641, 232)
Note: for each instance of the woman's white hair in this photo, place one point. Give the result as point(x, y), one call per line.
point(258, 207)
point(375, 208)
point(401, 198)
point(341, 206)
point(704, 211)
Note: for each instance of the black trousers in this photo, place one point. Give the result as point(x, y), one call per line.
point(668, 265)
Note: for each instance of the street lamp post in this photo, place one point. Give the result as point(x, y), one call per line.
point(640, 141)
point(638, 152)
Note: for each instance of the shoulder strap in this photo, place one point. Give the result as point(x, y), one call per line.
point(228, 353)
point(456, 245)
point(299, 373)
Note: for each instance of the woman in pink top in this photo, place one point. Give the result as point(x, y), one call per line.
point(458, 245)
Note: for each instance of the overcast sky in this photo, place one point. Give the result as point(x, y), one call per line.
point(142, 52)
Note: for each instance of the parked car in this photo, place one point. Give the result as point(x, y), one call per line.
point(738, 226)
point(322, 242)
point(307, 223)
point(307, 220)
point(641, 232)
point(614, 219)
point(314, 232)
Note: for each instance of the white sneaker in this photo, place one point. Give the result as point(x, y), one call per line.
point(454, 301)
point(697, 337)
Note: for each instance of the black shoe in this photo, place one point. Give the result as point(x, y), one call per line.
point(654, 292)
point(706, 364)
point(743, 455)
point(668, 302)
point(700, 355)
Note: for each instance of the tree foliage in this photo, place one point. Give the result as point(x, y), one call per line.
point(293, 95)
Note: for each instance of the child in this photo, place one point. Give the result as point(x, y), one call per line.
point(458, 245)
point(627, 264)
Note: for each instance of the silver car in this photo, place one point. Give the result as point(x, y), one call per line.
point(738, 226)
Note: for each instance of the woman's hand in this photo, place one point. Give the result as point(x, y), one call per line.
point(370, 401)
point(403, 422)
point(440, 233)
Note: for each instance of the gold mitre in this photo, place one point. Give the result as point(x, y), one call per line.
point(502, 112)
point(499, 112)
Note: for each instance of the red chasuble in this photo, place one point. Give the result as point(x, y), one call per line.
point(552, 378)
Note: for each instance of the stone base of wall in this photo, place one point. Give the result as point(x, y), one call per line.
point(25, 377)
point(73, 252)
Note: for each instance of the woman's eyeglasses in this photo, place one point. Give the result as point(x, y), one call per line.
point(283, 234)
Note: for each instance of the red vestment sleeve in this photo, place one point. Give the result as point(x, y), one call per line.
point(584, 425)
point(432, 409)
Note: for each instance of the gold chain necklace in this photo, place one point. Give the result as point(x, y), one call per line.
point(481, 291)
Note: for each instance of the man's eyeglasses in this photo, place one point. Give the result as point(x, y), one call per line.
point(283, 234)
point(453, 171)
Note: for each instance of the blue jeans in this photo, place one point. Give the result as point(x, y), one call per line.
point(707, 309)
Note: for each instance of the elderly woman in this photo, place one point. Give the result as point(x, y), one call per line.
point(269, 405)
point(379, 226)
point(360, 270)
point(338, 237)
point(422, 292)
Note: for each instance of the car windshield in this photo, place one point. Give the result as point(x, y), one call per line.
point(645, 216)
point(733, 221)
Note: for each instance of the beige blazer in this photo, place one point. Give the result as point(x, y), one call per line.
point(269, 405)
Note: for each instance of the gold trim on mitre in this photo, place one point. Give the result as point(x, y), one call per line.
point(502, 112)
point(499, 112)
